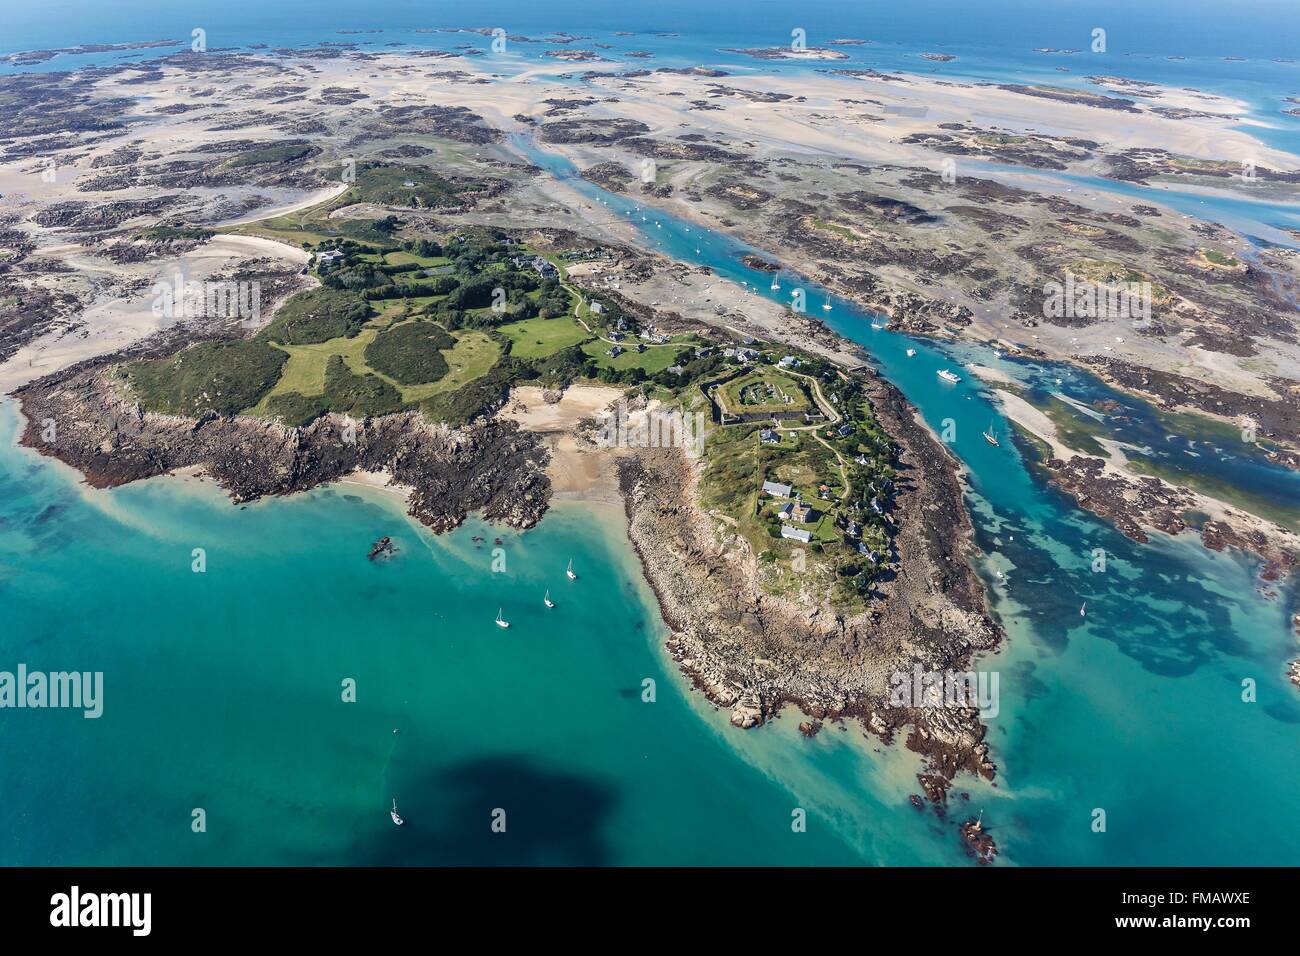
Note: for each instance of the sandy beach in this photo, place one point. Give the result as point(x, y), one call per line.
point(578, 470)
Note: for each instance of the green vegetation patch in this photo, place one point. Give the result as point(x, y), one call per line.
point(358, 395)
point(279, 153)
point(472, 399)
point(654, 359)
point(474, 356)
point(410, 186)
point(1221, 258)
point(225, 377)
point(410, 353)
point(402, 258)
point(731, 475)
point(317, 316)
point(538, 338)
point(296, 409)
point(378, 232)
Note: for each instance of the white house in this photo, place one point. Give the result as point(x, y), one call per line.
point(776, 489)
point(798, 534)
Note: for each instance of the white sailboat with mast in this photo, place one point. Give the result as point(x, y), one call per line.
point(570, 573)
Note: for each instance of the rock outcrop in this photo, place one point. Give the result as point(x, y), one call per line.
point(492, 467)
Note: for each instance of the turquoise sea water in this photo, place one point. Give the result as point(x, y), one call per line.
point(223, 688)
point(223, 692)
point(1123, 710)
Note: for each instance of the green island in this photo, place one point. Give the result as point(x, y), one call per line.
point(443, 326)
point(798, 466)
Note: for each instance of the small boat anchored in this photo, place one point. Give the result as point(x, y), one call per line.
point(570, 573)
point(991, 438)
point(547, 600)
point(501, 621)
point(776, 286)
point(393, 813)
point(1083, 611)
point(827, 305)
point(911, 353)
point(948, 376)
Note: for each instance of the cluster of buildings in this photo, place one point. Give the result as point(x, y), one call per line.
point(539, 264)
point(582, 255)
point(793, 513)
point(740, 354)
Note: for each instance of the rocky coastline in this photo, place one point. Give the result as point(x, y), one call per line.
point(1134, 505)
point(492, 467)
point(753, 653)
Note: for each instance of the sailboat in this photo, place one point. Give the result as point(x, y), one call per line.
point(827, 305)
point(911, 352)
point(991, 438)
point(501, 621)
point(547, 600)
point(393, 813)
point(1083, 611)
point(776, 286)
point(570, 573)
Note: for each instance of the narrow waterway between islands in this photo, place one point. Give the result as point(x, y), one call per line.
point(1136, 709)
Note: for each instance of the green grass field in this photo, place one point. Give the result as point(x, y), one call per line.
point(537, 338)
point(305, 371)
point(401, 258)
point(471, 357)
point(655, 358)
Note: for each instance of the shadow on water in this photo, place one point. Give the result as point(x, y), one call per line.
point(1168, 621)
point(552, 818)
